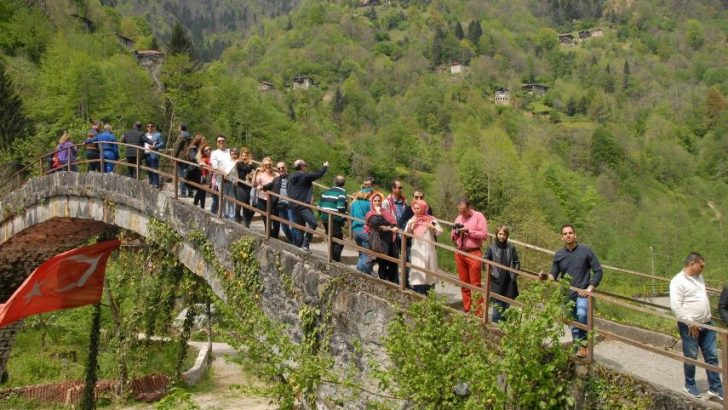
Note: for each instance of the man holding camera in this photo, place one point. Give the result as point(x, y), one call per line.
point(468, 233)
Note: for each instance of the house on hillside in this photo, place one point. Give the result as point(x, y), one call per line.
point(539, 90)
point(584, 34)
point(266, 86)
point(456, 68)
point(125, 42)
point(597, 32)
point(502, 96)
point(567, 39)
point(367, 3)
point(301, 82)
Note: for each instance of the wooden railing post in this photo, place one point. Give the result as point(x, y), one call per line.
point(220, 196)
point(138, 171)
point(724, 363)
point(590, 327)
point(101, 158)
point(68, 158)
point(486, 302)
point(175, 178)
point(40, 163)
point(267, 217)
point(329, 235)
point(403, 262)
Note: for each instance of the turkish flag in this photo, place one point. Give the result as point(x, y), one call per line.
point(70, 279)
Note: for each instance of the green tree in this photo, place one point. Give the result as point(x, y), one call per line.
point(715, 105)
point(626, 76)
point(695, 33)
point(179, 43)
point(475, 31)
point(13, 122)
point(459, 33)
point(605, 152)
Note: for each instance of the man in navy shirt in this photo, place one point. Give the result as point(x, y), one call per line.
point(579, 262)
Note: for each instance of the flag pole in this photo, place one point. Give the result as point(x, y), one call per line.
point(88, 401)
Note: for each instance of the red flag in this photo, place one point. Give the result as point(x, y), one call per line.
point(70, 279)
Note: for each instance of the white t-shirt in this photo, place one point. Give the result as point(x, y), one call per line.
point(689, 299)
point(221, 160)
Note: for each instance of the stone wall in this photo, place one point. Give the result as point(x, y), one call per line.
point(361, 306)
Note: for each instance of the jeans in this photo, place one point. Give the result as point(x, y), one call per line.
point(295, 233)
point(300, 216)
point(580, 312)
point(362, 239)
point(499, 309)
point(706, 342)
point(108, 165)
point(184, 190)
point(228, 191)
point(153, 162)
point(285, 213)
point(215, 202)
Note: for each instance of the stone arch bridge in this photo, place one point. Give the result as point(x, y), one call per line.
point(60, 211)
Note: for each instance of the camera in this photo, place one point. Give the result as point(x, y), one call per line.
point(457, 227)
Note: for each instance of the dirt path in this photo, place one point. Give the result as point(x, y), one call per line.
point(223, 374)
point(214, 392)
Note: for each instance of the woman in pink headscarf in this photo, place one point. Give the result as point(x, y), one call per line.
point(423, 254)
point(381, 225)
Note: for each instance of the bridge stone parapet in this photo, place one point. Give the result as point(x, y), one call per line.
point(61, 211)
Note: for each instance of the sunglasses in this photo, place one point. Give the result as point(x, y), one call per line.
point(419, 197)
point(220, 141)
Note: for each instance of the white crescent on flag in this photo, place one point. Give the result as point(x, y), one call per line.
point(92, 263)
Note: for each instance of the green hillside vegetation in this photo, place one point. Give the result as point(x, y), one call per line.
point(632, 151)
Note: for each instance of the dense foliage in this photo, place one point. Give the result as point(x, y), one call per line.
point(632, 147)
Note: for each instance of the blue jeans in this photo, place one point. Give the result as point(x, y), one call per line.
point(228, 190)
point(285, 213)
point(153, 162)
point(580, 311)
point(706, 342)
point(499, 310)
point(184, 190)
point(305, 216)
point(362, 239)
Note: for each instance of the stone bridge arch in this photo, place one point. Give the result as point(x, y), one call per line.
point(54, 213)
point(61, 211)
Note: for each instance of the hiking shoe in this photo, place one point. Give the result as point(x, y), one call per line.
point(692, 391)
point(305, 249)
point(717, 394)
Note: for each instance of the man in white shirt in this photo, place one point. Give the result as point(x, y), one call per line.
point(222, 163)
point(689, 301)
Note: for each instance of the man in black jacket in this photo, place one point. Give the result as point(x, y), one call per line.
point(280, 206)
point(723, 305)
point(301, 189)
point(135, 138)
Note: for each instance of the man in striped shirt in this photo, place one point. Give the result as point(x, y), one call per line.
point(334, 200)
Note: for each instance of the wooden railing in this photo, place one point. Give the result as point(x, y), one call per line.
point(599, 296)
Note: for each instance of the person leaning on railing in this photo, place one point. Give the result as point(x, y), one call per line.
point(503, 282)
point(92, 150)
point(135, 138)
point(576, 260)
point(360, 206)
point(689, 301)
point(66, 152)
point(301, 190)
point(279, 206)
point(381, 226)
point(424, 229)
point(153, 142)
point(334, 199)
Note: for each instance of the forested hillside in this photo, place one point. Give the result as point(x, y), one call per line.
point(629, 143)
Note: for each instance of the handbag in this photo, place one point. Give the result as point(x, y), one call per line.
point(253, 196)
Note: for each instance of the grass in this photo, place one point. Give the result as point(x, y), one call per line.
point(35, 361)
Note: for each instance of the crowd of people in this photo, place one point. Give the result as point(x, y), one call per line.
point(387, 224)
